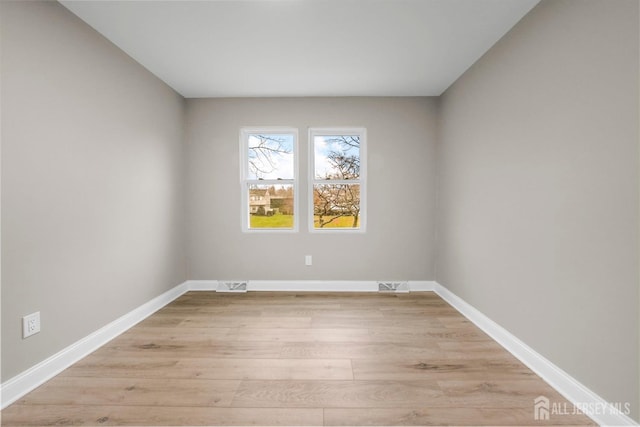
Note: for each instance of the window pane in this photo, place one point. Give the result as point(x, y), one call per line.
point(270, 206)
point(336, 206)
point(270, 156)
point(337, 157)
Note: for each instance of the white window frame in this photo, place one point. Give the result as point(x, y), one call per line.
point(245, 182)
point(337, 131)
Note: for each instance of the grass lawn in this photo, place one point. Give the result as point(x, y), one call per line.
point(342, 222)
point(275, 221)
point(286, 221)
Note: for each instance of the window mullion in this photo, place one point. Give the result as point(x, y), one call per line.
point(336, 181)
point(269, 182)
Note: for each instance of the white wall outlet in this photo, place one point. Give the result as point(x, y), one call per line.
point(31, 324)
point(308, 260)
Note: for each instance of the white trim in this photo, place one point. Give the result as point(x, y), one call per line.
point(202, 285)
point(312, 286)
point(422, 286)
point(16, 387)
point(328, 285)
point(565, 384)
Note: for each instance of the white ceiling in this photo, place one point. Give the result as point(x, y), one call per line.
point(240, 48)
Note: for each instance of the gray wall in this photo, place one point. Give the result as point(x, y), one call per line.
point(399, 241)
point(92, 222)
point(538, 189)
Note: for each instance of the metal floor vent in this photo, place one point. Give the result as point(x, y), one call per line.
point(393, 286)
point(239, 286)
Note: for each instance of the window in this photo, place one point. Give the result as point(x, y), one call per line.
point(338, 179)
point(269, 175)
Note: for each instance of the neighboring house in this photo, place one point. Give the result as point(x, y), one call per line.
point(284, 205)
point(259, 201)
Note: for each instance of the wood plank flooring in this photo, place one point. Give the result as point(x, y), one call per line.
point(295, 359)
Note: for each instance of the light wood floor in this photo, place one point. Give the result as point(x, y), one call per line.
point(295, 359)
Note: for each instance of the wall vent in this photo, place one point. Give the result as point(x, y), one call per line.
point(393, 286)
point(232, 286)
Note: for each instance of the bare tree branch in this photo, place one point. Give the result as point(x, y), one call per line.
point(262, 155)
point(350, 140)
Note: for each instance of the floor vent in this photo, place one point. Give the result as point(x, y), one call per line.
point(224, 286)
point(393, 286)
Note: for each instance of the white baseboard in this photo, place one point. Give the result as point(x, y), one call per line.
point(312, 285)
point(422, 286)
point(309, 285)
point(202, 285)
point(597, 408)
point(23, 383)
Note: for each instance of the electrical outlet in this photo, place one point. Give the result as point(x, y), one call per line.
point(31, 324)
point(308, 260)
